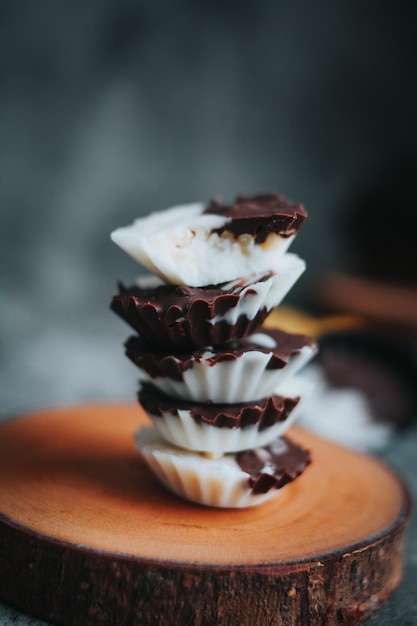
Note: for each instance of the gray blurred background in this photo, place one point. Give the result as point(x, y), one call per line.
point(111, 109)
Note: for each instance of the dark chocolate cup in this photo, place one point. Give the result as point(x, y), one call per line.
point(187, 327)
point(382, 369)
point(187, 318)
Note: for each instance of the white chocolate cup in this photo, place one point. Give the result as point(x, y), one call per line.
point(179, 245)
point(217, 482)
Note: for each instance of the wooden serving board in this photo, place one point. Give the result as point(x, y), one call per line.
point(88, 536)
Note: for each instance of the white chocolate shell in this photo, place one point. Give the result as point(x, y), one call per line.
point(234, 380)
point(180, 245)
point(216, 482)
point(222, 431)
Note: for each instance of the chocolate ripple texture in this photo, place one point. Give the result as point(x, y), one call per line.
point(213, 380)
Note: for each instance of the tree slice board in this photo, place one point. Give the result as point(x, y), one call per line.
point(88, 535)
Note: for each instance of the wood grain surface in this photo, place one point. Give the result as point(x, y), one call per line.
point(88, 535)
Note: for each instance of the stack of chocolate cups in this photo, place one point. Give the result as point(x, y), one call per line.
point(219, 388)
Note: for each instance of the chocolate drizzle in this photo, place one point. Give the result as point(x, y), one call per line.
point(259, 216)
point(159, 363)
point(284, 459)
point(264, 413)
point(183, 318)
